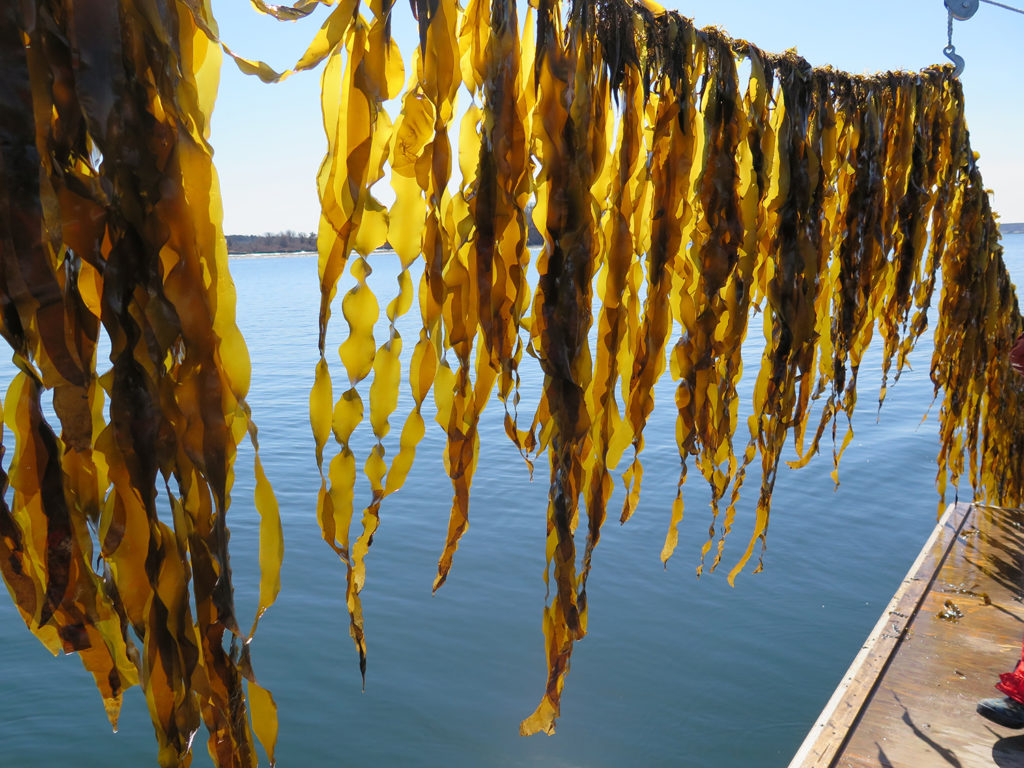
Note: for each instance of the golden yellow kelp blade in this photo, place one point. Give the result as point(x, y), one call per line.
point(682, 183)
point(682, 198)
point(299, 10)
point(110, 226)
point(326, 40)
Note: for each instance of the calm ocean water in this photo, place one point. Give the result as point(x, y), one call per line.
point(674, 671)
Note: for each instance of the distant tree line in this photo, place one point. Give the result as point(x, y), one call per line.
point(280, 242)
point(294, 242)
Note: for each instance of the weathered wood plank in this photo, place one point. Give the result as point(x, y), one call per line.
point(956, 621)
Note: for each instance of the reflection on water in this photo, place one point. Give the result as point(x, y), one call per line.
point(673, 670)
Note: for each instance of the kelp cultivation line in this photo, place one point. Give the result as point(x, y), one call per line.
point(681, 196)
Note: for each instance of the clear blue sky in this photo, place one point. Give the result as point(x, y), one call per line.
point(269, 139)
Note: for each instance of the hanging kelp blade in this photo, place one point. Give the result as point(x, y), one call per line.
point(682, 182)
point(805, 194)
point(110, 227)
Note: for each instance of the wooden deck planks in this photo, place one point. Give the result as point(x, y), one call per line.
point(908, 700)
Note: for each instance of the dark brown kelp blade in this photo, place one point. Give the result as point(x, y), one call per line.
point(114, 230)
point(673, 195)
point(805, 199)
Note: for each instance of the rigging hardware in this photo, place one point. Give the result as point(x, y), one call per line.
point(961, 10)
point(956, 58)
point(1003, 6)
point(953, 7)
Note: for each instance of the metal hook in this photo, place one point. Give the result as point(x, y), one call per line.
point(956, 58)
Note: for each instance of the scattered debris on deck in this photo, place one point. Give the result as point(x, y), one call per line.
point(956, 622)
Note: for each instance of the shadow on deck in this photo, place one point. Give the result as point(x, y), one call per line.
point(955, 623)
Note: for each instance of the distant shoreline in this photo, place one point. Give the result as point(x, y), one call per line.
point(301, 243)
point(272, 243)
point(292, 244)
point(271, 255)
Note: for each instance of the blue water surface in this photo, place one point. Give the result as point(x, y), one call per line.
point(675, 671)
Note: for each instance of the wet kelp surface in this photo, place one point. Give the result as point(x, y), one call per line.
point(110, 227)
point(684, 182)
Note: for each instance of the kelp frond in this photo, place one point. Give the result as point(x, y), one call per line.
point(673, 193)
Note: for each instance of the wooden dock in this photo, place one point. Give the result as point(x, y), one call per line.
point(957, 621)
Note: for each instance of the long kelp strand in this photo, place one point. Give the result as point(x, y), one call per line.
point(608, 429)
point(561, 314)
point(682, 182)
point(126, 237)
